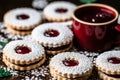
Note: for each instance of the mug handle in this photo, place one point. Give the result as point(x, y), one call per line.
point(117, 27)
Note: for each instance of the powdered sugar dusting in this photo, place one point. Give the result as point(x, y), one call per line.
point(36, 50)
point(39, 4)
point(34, 17)
point(60, 4)
point(5, 36)
point(84, 63)
point(102, 61)
point(42, 72)
point(65, 34)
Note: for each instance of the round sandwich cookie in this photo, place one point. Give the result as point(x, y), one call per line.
point(108, 65)
point(21, 21)
point(59, 11)
point(23, 55)
point(54, 37)
point(70, 66)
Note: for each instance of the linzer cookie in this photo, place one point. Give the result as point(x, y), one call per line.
point(54, 37)
point(108, 65)
point(59, 11)
point(70, 66)
point(23, 55)
point(21, 21)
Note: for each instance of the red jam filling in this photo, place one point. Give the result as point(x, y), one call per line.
point(61, 10)
point(22, 50)
point(70, 62)
point(114, 60)
point(51, 33)
point(22, 16)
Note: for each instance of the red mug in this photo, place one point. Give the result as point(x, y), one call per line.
point(94, 26)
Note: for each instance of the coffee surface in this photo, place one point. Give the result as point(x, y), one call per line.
point(94, 14)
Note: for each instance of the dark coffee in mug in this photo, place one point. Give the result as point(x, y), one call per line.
point(94, 27)
point(95, 14)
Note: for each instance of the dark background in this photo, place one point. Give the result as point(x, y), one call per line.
point(6, 5)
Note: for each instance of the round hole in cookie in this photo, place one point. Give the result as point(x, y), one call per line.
point(22, 16)
point(51, 33)
point(114, 60)
point(61, 10)
point(70, 62)
point(22, 49)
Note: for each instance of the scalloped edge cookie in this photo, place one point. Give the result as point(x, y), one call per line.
point(59, 17)
point(106, 68)
point(16, 26)
point(53, 45)
point(22, 68)
point(103, 65)
point(60, 71)
point(26, 61)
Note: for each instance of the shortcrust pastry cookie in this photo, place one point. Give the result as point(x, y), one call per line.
point(21, 21)
point(23, 55)
point(59, 11)
point(70, 66)
point(108, 64)
point(54, 37)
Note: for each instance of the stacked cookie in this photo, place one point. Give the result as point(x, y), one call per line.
point(23, 55)
point(54, 37)
point(70, 66)
point(21, 21)
point(108, 65)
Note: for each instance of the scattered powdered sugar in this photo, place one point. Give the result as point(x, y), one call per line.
point(39, 4)
point(42, 73)
point(37, 74)
point(92, 55)
point(6, 36)
point(32, 78)
point(13, 72)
